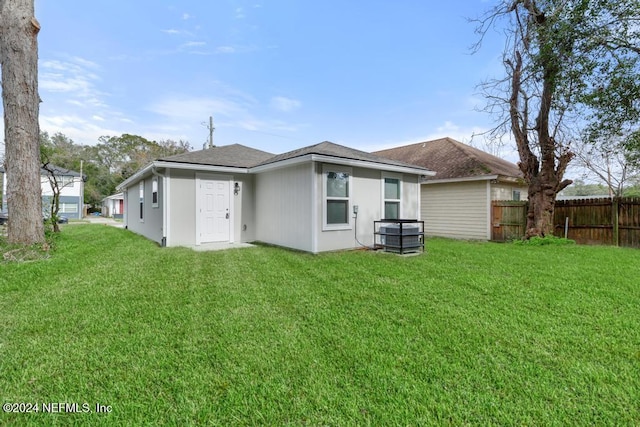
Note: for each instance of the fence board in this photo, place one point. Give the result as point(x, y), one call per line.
point(591, 221)
point(508, 220)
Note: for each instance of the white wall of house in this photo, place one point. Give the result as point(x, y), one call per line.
point(457, 209)
point(283, 201)
point(71, 186)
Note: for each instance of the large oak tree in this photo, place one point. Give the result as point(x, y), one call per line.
point(19, 64)
point(569, 64)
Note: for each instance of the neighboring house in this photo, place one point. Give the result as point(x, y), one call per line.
point(456, 202)
point(71, 191)
point(113, 206)
point(303, 199)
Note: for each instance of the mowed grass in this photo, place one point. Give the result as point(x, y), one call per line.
point(467, 334)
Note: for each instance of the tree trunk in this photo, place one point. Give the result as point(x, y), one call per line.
point(540, 218)
point(19, 61)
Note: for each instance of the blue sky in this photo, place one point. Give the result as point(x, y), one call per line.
point(275, 75)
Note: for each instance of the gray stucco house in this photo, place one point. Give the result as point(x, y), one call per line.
point(303, 199)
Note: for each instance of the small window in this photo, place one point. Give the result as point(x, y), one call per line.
point(516, 195)
point(154, 192)
point(66, 181)
point(68, 208)
point(142, 200)
point(337, 197)
point(392, 196)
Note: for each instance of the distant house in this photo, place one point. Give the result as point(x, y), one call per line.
point(304, 199)
point(71, 191)
point(113, 206)
point(456, 202)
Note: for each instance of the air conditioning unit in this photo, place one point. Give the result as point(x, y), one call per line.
point(395, 238)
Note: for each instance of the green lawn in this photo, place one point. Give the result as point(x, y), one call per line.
point(470, 333)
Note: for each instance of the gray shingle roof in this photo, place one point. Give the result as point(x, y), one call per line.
point(235, 155)
point(452, 159)
point(335, 150)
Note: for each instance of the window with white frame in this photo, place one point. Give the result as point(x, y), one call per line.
point(337, 197)
point(142, 200)
point(66, 181)
point(154, 192)
point(515, 195)
point(68, 208)
point(392, 195)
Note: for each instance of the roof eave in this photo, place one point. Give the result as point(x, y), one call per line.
point(135, 177)
point(175, 165)
point(200, 167)
point(323, 158)
point(463, 179)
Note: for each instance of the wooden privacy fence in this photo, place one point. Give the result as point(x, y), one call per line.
point(589, 221)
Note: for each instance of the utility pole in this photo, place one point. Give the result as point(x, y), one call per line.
point(211, 129)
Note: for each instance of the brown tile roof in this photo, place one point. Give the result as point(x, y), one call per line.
point(452, 159)
point(235, 155)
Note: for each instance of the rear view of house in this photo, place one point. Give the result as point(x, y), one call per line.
point(305, 199)
point(456, 202)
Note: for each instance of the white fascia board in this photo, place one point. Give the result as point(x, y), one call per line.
point(135, 177)
point(200, 168)
point(341, 161)
point(467, 179)
point(182, 166)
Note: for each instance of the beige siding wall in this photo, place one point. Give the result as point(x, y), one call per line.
point(503, 191)
point(459, 210)
point(283, 201)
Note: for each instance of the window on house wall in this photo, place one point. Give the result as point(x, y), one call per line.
point(66, 181)
point(142, 200)
point(68, 208)
point(516, 195)
point(154, 192)
point(392, 196)
point(337, 197)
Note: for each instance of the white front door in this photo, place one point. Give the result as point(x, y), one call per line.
point(214, 211)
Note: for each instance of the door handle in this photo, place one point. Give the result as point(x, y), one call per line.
point(227, 216)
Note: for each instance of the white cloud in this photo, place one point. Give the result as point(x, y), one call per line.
point(171, 31)
point(193, 43)
point(185, 16)
point(225, 49)
point(233, 111)
point(74, 78)
point(284, 104)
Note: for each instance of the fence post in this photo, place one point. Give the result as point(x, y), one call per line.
point(614, 213)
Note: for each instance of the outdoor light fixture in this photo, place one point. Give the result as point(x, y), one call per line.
point(236, 188)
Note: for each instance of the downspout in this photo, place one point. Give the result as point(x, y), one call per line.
point(164, 205)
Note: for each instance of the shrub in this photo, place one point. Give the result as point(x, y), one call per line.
point(546, 240)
